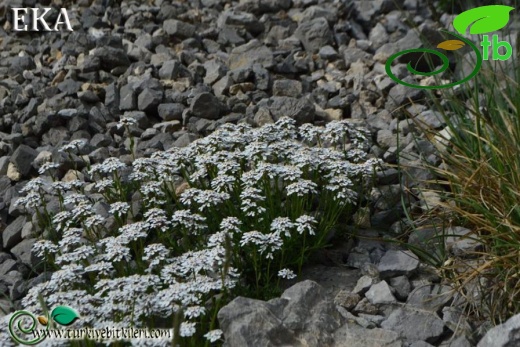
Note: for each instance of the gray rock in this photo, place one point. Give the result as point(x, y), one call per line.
point(290, 88)
point(328, 53)
point(128, 98)
point(363, 284)
point(421, 344)
point(245, 321)
point(205, 105)
point(396, 263)
point(167, 127)
point(263, 6)
point(430, 118)
point(262, 77)
point(238, 19)
point(358, 257)
point(23, 158)
point(314, 34)
point(347, 299)
point(185, 140)
point(386, 197)
point(169, 112)
point(503, 335)
point(300, 317)
point(23, 253)
point(18, 290)
point(460, 341)
point(462, 241)
point(178, 28)
point(69, 86)
point(149, 99)
point(111, 57)
point(365, 306)
point(7, 265)
point(378, 36)
point(101, 140)
point(380, 293)
point(456, 321)
point(430, 297)
point(415, 325)
point(250, 54)
point(12, 234)
point(142, 122)
point(353, 335)
point(402, 287)
point(309, 312)
point(173, 69)
point(214, 71)
point(401, 94)
point(352, 55)
point(4, 163)
point(301, 110)
point(430, 240)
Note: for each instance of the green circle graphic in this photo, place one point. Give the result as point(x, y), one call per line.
point(29, 330)
point(445, 65)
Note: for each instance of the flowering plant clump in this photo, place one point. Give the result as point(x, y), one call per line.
point(184, 230)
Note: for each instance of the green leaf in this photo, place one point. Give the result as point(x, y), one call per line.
point(485, 19)
point(64, 315)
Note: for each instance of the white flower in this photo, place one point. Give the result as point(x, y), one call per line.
point(187, 329)
point(71, 238)
point(214, 335)
point(31, 201)
point(155, 218)
point(34, 185)
point(272, 241)
point(114, 250)
point(286, 273)
point(302, 188)
point(126, 121)
point(73, 146)
point(102, 185)
point(94, 220)
point(155, 254)
point(61, 187)
point(75, 199)
point(194, 312)
point(191, 221)
point(46, 167)
point(132, 232)
point(223, 183)
point(41, 247)
point(231, 225)
point(108, 166)
point(119, 208)
point(282, 225)
point(341, 187)
point(103, 268)
point(81, 253)
point(305, 222)
point(309, 132)
point(203, 198)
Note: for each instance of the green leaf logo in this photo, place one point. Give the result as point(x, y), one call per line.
point(64, 315)
point(485, 19)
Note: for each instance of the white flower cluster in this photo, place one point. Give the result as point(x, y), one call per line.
point(170, 253)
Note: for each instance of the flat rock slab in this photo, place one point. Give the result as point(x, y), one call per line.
point(415, 325)
point(353, 335)
point(397, 263)
point(331, 278)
